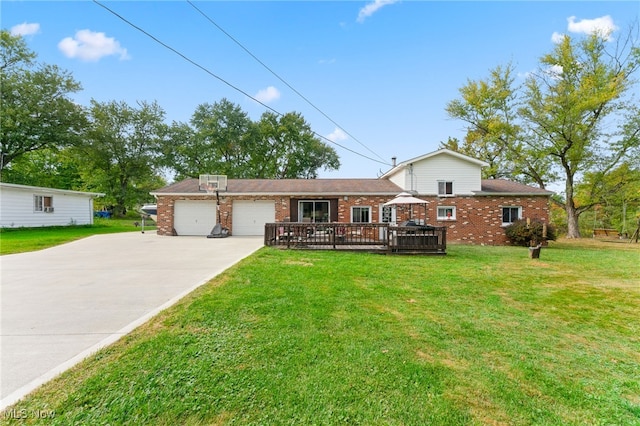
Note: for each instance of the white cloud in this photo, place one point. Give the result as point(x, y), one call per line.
point(525, 75)
point(91, 46)
point(603, 25)
point(372, 8)
point(557, 38)
point(267, 95)
point(25, 29)
point(337, 135)
point(554, 71)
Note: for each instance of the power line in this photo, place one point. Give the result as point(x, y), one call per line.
point(280, 78)
point(166, 46)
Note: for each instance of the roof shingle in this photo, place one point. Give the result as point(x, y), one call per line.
point(502, 186)
point(334, 187)
point(290, 187)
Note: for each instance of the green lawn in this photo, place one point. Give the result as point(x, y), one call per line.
point(20, 240)
point(484, 335)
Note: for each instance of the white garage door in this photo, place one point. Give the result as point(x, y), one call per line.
point(249, 217)
point(194, 217)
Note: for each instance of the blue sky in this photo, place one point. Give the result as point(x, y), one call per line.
point(382, 70)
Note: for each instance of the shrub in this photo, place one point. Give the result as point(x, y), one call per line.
point(521, 233)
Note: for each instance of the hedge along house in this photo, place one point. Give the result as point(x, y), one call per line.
point(33, 206)
point(473, 210)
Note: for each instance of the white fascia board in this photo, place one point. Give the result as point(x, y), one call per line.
point(49, 190)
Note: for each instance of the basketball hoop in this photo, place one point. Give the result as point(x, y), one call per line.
point(211, 187)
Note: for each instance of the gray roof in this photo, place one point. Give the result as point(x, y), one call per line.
point(339, 187)
point(507, 187)
point(289, 187)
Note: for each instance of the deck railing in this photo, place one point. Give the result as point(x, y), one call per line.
point(357, 236)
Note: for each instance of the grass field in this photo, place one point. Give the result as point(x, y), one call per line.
point(484, 335)
point(20, 240)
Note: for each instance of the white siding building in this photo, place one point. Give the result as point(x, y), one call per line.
point(32, 206)
point(441, 173)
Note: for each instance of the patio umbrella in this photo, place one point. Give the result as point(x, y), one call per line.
point(404, 198)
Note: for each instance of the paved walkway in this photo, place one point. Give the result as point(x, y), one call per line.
point(62, 304)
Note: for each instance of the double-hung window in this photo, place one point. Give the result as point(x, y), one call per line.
point(445, 188)
point(510, 214)
point(360, 214)
point(43, 203)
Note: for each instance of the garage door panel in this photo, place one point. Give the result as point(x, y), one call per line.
point(249, 217)
point(194, 217)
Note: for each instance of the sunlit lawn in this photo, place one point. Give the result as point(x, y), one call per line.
point(484, 335)
point(19, 240)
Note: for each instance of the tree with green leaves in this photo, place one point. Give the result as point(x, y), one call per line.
point(494, 130)
point(289, 149)
point(613, 197)
point(120, 155)
point(46, 167)
point(36, 111)
point(181, 155)
point(574, 115)
point(222, 139)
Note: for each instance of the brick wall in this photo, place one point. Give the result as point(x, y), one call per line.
point(478, 219)
point(346, 203)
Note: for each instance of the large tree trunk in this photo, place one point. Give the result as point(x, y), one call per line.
point(573, 229)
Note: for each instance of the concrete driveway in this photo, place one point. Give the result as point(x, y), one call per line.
point(62, 304)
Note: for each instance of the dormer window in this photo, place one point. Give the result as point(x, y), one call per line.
point(445, 188)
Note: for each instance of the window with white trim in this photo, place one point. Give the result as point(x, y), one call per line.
point(510, 214)
point(446, 213)
point(43, 203)
point(445, 188)
point(360, 214)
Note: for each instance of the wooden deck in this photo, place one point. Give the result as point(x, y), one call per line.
point(370, 237)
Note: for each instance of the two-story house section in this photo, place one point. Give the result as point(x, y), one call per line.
point(473, 209)
point(442, 173)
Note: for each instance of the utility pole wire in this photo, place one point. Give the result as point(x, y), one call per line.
point(281, 79)
point(166, 46)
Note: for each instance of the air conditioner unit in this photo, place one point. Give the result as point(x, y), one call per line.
point(48, 209)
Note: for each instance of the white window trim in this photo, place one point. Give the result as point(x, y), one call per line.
point(39, 207)
point(453, 191)
point(453, 213)
point(510, 207)
point(361, 207)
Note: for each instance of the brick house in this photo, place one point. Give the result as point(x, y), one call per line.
point(473, 210)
